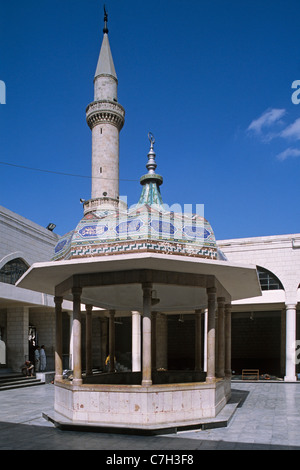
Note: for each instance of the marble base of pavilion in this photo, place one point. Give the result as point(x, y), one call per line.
point(141, 409)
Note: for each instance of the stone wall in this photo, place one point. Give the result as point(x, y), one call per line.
point(17, 337)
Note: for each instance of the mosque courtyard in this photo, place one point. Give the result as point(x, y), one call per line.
point(268, 418)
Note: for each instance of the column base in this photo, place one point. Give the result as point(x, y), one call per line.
point(292, 378)
point(77, 382)
point(210, 380)
point(146, 383)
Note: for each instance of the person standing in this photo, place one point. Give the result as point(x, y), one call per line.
point(43, 359)
point(37, 359)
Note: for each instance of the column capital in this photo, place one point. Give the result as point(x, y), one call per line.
point(199, 311)
point(221, 300)
point(88, 308)
point(211, 294)
point(211, 290)
point(135, 312)
point(291, 306)
point(58, 300)
point(76, 291)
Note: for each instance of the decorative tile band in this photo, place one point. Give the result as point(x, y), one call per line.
point(87, 251)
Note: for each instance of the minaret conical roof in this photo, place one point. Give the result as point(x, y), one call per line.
point(105, 64)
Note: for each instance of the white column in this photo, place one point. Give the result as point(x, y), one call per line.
point(136, 341)
point(77, 369)
point(146, 374)
point(211, 335)
point(205, 340)
point(290, 364)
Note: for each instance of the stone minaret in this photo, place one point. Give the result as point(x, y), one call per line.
point(105, 117)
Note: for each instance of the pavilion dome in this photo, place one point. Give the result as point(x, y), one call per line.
point(149, 226)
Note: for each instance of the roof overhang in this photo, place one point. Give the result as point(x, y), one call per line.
point(235, 280)
point(12, 296)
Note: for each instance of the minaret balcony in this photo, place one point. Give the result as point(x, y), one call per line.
point(109, 112)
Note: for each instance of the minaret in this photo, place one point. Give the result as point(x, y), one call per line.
point(105, 117)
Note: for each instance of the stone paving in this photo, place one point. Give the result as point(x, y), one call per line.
point(267, 419)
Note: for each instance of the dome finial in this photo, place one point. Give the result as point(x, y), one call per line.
point(105, 29)
point(151, 165)
point(151, 138)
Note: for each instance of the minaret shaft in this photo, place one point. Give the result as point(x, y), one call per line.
point(105, 161)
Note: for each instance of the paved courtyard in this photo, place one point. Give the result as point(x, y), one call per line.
point(268, 418)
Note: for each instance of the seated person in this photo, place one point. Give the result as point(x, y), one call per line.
point(27, 369)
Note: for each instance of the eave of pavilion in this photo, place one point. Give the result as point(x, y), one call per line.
point(57, 278)
point(136, 276)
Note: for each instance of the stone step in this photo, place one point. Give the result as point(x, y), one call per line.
point(10, 377)
point(18, 381)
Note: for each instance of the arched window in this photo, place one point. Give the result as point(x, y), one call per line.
point(268, 280)
point(11, 272)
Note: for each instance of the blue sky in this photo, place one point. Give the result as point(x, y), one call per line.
point(212, 80)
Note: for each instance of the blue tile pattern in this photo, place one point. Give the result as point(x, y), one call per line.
point(143, 228)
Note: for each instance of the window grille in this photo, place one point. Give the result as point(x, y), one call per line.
point(268, 280)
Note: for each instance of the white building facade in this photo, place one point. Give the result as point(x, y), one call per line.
point(266, 332)
point(26, 317)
